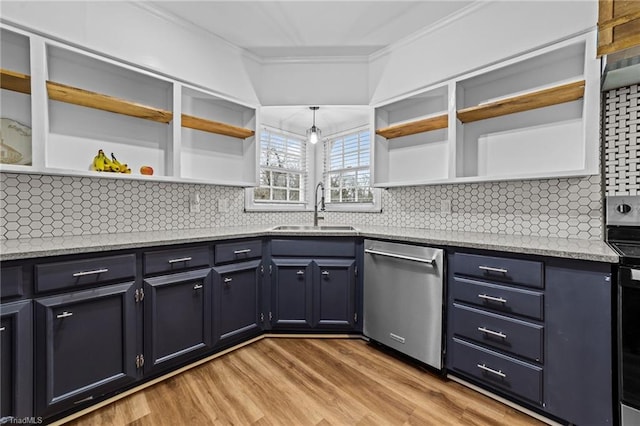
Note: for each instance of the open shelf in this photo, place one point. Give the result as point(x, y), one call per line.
point(437, 122)
point(15, 81)
point(217, 127)
point(73, 95)
point(525, 102)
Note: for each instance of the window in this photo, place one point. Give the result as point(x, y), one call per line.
point(347, 168)
point(282, 168)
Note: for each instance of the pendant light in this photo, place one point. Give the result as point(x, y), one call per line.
point(314, 134)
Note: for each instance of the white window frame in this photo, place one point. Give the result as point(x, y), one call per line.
point(376, 204)
point(251, 204)
point(315, 158)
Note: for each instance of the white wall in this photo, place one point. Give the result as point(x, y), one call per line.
point(314, 83)
point(135, 34)
point(490, 33)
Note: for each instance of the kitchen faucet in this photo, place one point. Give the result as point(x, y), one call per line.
point(315, 203)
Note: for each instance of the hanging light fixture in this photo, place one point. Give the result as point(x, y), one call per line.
point(314, 134)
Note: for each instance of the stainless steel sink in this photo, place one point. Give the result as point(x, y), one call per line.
point(314, 228)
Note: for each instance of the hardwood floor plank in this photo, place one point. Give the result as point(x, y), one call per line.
point(289, 381)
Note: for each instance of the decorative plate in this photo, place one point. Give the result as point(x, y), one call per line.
point(15, 142)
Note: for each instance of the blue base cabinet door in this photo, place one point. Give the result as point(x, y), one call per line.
point(236, 302)
point(16, 361)
point(85, 346)
point(292, 294)
point(177, 318)
point(579, 366)
point(335, 293)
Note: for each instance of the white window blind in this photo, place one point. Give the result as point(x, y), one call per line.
point(283, 167)
point(347, 168)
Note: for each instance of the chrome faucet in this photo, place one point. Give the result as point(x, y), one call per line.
point(315, 203)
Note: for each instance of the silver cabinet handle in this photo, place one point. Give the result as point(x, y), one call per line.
point(493, 333)
point(401, 256)
point(492, 299)
point(65, 314)
point(2, 328)
point(182, 259)
point(325, 273)
point(242, 251)
point(492, 371)
point(94, 272)
point(197, 286)
point(228, 280)
point(300, 272)
point(490, 269)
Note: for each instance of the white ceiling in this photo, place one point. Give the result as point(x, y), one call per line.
point(330, 119)
point(311, 28)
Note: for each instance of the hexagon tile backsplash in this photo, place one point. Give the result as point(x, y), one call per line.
point(46, 206)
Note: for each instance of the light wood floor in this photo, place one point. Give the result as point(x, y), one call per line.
point(284, 381)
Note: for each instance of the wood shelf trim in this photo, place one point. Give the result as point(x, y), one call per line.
point(73, 95)
point(620, 20)
point(15, 81)
point(211, 126)
point(538, 99)
point(413, 127)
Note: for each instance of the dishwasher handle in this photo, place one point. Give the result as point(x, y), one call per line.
point(431, 262)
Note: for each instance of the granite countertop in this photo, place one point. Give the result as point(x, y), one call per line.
point(546, 246)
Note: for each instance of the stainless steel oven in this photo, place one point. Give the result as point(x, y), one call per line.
point(623, 235)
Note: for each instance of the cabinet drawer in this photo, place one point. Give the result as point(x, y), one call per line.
point(517, 271)
point(520, 338)
point(497, 370)
point(313, 248)
point(59, 275)
point(175, 259)
point(241, 250)
point(11, 281)
point(498, 298)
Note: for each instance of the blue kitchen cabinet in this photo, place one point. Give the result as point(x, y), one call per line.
point(16, 360)
point(579, 373)
point(177, 318)
point(236, 301)
point(85, 346)
point(314, 284)
point(291, 294)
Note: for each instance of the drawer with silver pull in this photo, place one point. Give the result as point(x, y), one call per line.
point(238, 251)
point(60, 275)
point(521, 338)
point(176, 259)
point(511, 300)
point(494, 369)
point(516, 271)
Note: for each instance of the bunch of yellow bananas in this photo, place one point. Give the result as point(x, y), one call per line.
point(102, 163)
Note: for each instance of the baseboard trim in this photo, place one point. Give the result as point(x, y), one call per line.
point(504, 401)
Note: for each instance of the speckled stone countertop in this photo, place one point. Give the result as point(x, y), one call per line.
point(545, 246)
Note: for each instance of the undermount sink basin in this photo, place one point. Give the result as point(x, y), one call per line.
point(314, 228)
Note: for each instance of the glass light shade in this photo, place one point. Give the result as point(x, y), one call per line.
point(313, 135)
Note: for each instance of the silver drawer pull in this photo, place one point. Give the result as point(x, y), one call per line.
point(65, 314)
point(491, 332)
point(490, 269)
point(94, 272)
point(492, 299)
point(182, 259)
point(492, 371)
point(325, 273)
point(242, 251)
point(197, 286)
point(228, 280)
point(2, 328)
point(300, 272)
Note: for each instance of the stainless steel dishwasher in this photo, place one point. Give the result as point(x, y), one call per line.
point(403, 290)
